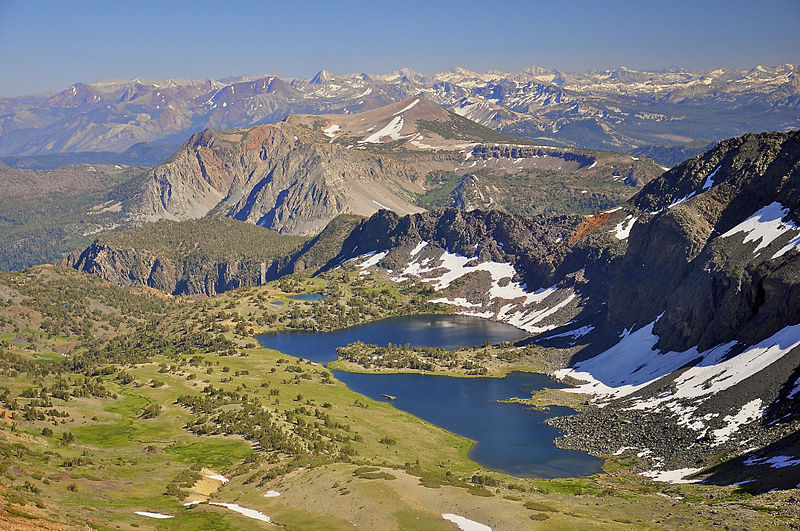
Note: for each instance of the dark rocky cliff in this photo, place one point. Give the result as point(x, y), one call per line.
point(534, 245)
point(713, 288)
point(207, 256)
point(132, 267)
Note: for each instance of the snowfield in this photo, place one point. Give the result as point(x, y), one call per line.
point(623, 230)
point(392, 130)
point(149, 514)
point(749, 412)
point(244, 511)
point(465, 524)
point(672, 476)
point(509, 301)
point(766, 226)
point(634, 363)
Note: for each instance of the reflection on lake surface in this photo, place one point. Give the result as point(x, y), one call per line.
point(510, 437)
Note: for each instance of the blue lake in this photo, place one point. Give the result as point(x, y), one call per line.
point(308, 297)
point(509, 437)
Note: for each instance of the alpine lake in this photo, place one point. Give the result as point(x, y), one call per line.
point(509, 437)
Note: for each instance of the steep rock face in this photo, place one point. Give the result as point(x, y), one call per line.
point(125, 267)
point(278, 176)
point(130, 267)
point(207, 256)
point(713, 285)
point(297, 175)
point(522, 152)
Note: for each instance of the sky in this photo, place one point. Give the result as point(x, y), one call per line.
point(48, 45)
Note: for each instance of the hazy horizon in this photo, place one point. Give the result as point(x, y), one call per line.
point(47, 46)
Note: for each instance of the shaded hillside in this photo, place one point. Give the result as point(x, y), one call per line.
point(323, 247)
point(204, 256)
point(208, 255)
point(147, 154)
point(44, 214)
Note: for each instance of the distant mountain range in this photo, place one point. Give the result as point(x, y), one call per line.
point(296, 175)
point(648, 113)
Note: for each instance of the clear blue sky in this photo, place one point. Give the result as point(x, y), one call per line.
point(48, 45)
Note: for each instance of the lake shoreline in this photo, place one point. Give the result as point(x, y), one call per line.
point(510, 438)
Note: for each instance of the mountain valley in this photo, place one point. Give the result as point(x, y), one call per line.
point(610, 287)
point(500, 301)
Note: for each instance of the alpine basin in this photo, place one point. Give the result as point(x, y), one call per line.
point(511, 438)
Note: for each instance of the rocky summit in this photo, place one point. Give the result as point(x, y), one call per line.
point(296, 175)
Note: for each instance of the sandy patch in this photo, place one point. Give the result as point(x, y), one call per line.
point(207, 485)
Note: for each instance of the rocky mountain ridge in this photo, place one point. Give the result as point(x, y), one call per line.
point(620, 109)
point(296, 175)
point(682, 306)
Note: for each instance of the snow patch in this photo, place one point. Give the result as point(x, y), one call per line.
point(709, 182)
point(795, 390)
point(634, 363)
point(682, 199)
point(272, 494)
point(749, 412)
point(765, 226)
point(578, 332)
point(392, 130)
point(624, 449)
point(465, 524)
point(331, 131)
point(672, 476)
point(154, 515)
point(217, 477)
point(415, 251)
point(373, 259)
point(622, 231)
point(524, 309)
point(410, 105)
point(779, 461)
point(244, 511)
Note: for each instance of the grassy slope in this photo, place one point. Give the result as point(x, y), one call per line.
point(119, 462)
